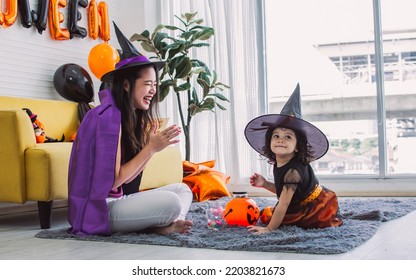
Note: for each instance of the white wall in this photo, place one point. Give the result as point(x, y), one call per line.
point(28, 60)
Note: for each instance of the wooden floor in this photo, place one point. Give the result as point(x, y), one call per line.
point(395, 240)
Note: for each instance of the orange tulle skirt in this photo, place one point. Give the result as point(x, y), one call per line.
point(320, 213)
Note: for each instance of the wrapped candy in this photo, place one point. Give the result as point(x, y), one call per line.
point(214, 216)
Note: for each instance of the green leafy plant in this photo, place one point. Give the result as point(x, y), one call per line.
point(195, 85)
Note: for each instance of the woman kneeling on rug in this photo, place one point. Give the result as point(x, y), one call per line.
point(290, 144)
point(113, 144)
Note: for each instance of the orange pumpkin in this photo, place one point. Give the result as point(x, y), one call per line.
point(266, 214)
point(241, 211)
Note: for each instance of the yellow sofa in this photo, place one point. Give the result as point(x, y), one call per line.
point(39, 172)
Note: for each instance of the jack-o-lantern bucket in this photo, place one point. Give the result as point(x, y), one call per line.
point(241, 211)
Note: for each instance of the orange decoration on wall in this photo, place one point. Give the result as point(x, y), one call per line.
point(104, 26)
point(102, 59)
point(93, 20)
point(56, 18)
point(9, 16)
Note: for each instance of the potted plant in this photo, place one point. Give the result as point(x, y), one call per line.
point(195, 85)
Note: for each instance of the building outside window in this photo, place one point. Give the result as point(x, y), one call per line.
point(328, 47)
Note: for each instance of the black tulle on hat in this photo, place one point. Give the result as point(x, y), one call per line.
point(289, 117)
point(130, 59)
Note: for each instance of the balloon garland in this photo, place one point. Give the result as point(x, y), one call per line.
point(48, 12)
point(8, 18)
point(56, 18)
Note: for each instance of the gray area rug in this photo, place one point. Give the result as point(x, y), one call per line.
point(362, 217)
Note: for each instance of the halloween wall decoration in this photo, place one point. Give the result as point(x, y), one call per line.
point(25, 14)
point(48, 12)
point(74, 16)
point(8, 17)
point(98, 21)
point(56, 18)
point(41, 16)
point(93, 20)
point(241, 211)
point(104, 24)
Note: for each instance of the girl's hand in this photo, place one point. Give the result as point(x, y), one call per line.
point(158, 140)
point(257, 181)
point(258, 230)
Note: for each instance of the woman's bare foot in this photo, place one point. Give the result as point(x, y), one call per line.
point(179, 226)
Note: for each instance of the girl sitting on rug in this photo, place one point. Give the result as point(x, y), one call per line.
point(113, 144)
point(290, 144)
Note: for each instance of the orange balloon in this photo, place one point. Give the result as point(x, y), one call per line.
point(102, 59)
point(56, 18)
point(93, 20)
point(8, 18)
point(104, 25)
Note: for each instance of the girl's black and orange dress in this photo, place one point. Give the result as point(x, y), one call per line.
point(312, 205)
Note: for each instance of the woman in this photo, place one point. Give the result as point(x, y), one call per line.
point(113, 144)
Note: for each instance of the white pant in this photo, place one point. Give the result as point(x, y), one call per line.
point(153, 208)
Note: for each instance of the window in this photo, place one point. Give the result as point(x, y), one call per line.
point(328, 47)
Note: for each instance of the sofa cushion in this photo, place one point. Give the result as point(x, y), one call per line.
point(47, 171)
point(164, 168)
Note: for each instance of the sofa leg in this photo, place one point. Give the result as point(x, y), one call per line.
point(45, 213)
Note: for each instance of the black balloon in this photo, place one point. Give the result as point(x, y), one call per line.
point(25, 14)
point(40, 18)
point(73, 83)
point(74, 16)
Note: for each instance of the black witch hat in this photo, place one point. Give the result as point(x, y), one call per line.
point(130, 58)
point(289, 117)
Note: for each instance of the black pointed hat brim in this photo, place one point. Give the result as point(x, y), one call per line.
point(256, 130)
point(132, 66)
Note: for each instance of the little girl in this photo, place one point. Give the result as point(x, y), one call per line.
point(290, 144)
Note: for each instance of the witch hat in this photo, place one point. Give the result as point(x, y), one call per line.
point(290, 117)
point(130, 59)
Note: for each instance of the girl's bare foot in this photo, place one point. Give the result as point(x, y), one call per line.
point(179, 226)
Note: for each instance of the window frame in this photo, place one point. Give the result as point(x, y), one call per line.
point(382, 183)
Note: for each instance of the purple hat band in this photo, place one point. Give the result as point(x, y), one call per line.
point(134, 59)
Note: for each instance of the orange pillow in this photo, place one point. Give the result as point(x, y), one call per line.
point(205, 182)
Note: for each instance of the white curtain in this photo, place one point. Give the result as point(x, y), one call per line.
point(236, 53)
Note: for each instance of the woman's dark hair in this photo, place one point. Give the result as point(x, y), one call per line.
point(304, 153)
point(135, 123)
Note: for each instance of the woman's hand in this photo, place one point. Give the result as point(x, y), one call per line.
point(158, 140)
point(257, 181)
point(258, 230)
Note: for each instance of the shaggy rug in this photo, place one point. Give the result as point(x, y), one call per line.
point(361, 216)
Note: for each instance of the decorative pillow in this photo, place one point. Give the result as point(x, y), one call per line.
point(164, 168)
point(205, 182)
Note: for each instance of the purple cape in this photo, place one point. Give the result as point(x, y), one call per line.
point(92, 168)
